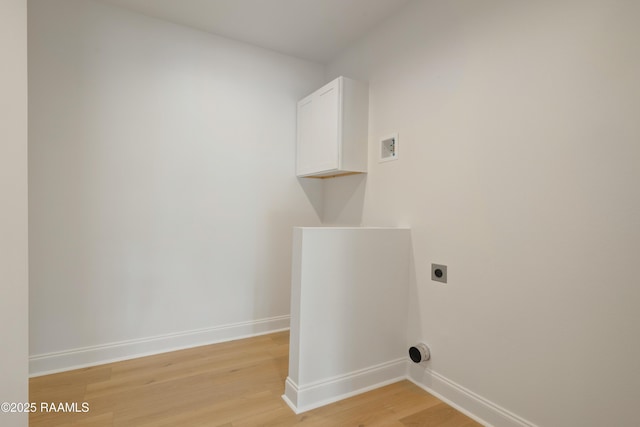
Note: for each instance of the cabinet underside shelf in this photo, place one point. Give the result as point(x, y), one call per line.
point(334, 175)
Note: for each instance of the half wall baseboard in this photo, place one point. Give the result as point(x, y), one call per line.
point(469, 403)
point(49, 363)
point(311, 396)
point(314, 395)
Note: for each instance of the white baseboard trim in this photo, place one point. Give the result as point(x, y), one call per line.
point(469, 403)
point(320, 393)
point(49, 363)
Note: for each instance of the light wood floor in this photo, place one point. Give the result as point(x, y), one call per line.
point(232, 384)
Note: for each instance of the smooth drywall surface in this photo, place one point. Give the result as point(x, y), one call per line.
point(13, 210)
point(162, 168)
point(349, 301)
point(519, 152)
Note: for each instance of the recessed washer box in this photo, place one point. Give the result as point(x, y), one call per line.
point(388, 148)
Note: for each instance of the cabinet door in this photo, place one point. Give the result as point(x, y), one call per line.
point(326, 127)
point(305, 137)
point(318, 131)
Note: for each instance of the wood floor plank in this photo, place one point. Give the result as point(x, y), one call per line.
point(440, 415)
point(232, 384)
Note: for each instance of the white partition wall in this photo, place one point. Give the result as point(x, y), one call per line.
point(349, 302)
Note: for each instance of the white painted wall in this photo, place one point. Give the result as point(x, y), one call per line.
point(518, 168)
point(13, 209)
point(162, 171)
point(349, 300)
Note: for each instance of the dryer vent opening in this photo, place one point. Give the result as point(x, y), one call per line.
point(419, 353)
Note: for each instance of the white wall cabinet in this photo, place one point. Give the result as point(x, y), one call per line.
point(332, 130)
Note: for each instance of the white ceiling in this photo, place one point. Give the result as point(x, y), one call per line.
point(311, 29)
